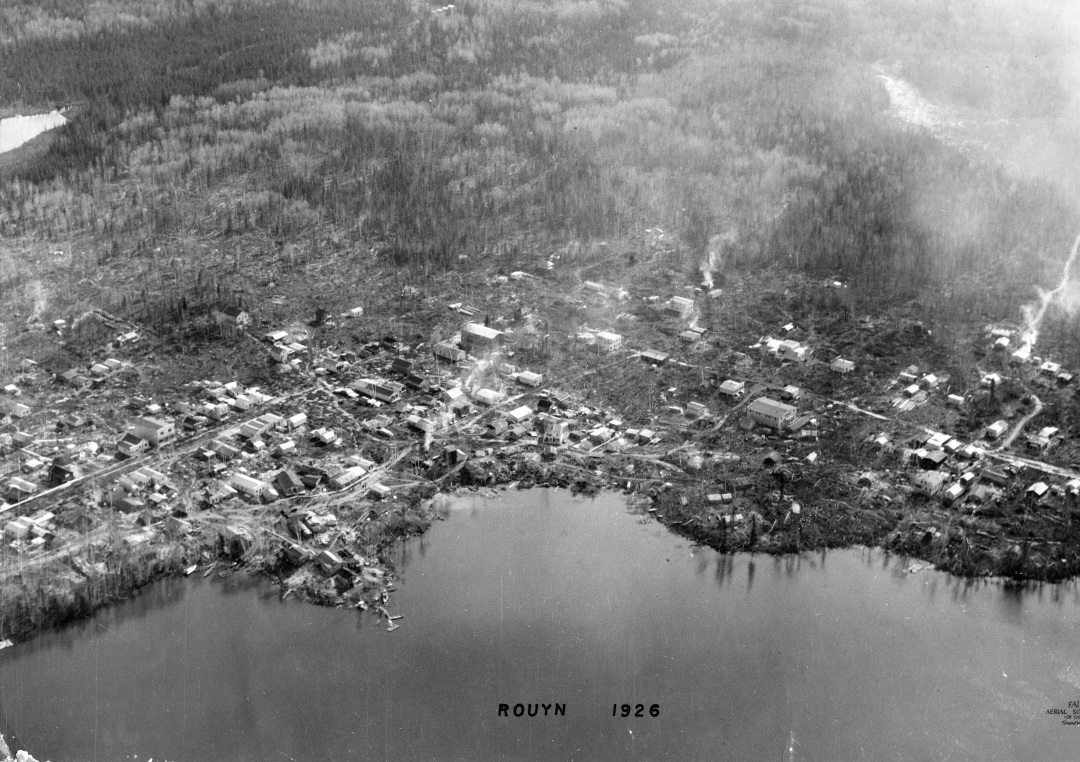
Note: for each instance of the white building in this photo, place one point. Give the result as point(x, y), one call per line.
point(609, 341)
point(771, 413)
point(249, 486)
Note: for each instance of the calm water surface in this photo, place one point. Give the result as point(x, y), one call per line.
point(540, 597)
point(16, 130)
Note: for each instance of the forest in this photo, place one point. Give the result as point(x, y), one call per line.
point(501, 131)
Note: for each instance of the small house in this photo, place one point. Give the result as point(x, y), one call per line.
point(288, 483)
point(955, 400)
point(61, 470)
point(346, 478)
point(281, 353)
point(654, 357)
point(608, 341)
point(555, 432)
point(446, 351)
point(249, 486)
point(792, 350)
point(529, 378)
point(952, 494)
point(928, 483)
point(132, 445)
point(733, 388)
point(842, 366)
point(937, 441)
point(929, 381)
point(1037, 490)
point(520, 414)
point(17, 409)
point(994, 477)
point(1050, 369)
point(790, 393)
point(224, 450)
point(454, 455)
point(929, 460)
point(680, 305)
point(696, 410)
point(477, 337)
point(488, 397)
point(154, 430)
point(771, 413)
point(236, 316)
point(1020, 356)
point(276, 337)
point(996, 429)
point(379, 491)
point(294, 422)
point(330, 562)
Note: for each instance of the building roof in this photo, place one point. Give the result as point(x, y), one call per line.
point(772, 408)
point(248, 481)
point(475, 329)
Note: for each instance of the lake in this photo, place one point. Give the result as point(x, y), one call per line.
point(16, 130)
point(538, 597)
